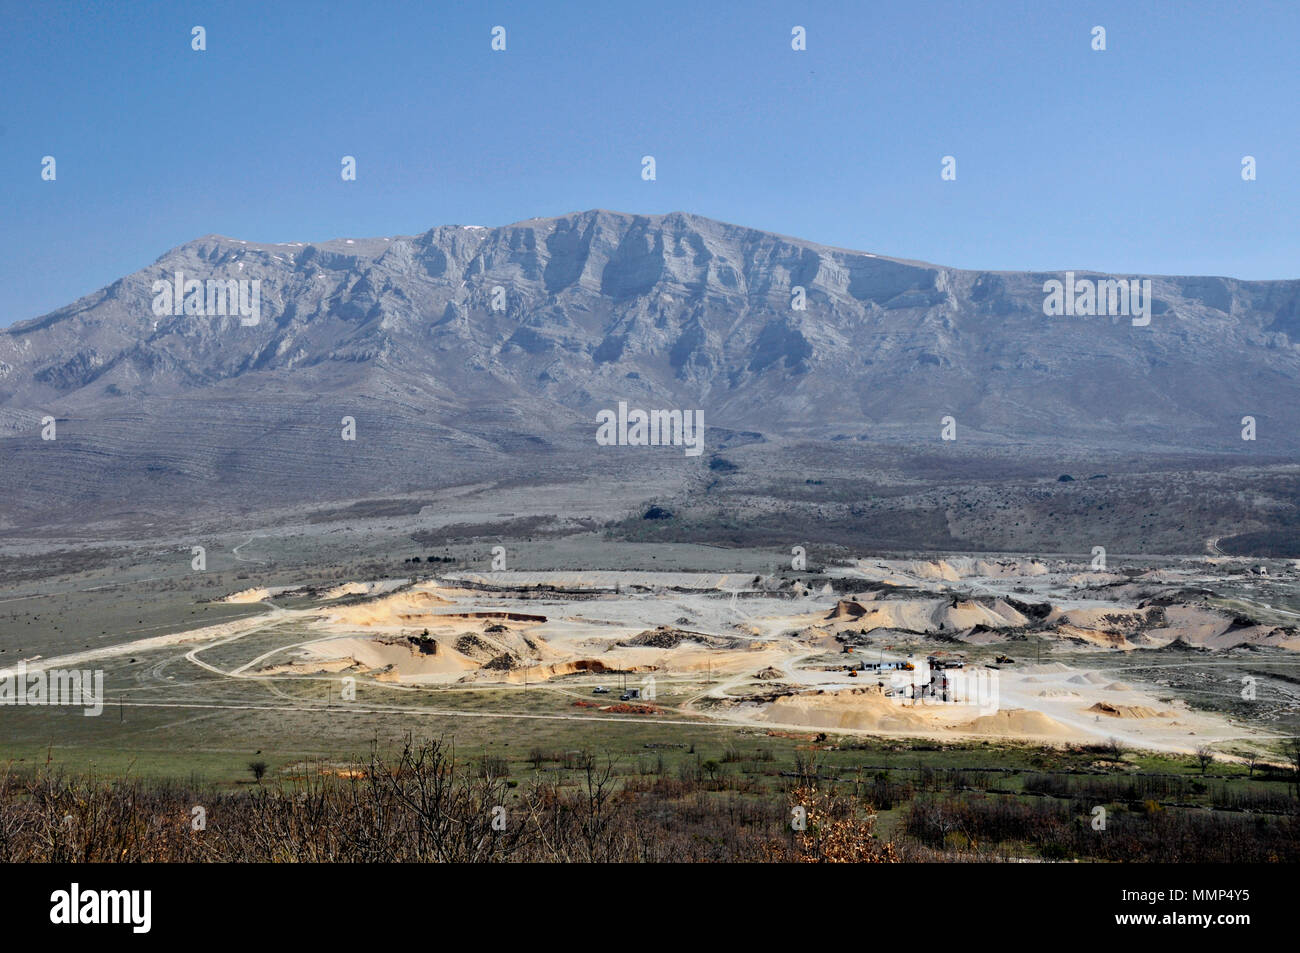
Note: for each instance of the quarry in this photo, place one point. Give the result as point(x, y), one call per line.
point(1032, 650)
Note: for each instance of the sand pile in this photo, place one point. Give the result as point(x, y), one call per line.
point(477, 648)
point(508, 669)
point(850, 709)
point(501, 644)
point(1016, 723)
point(1127, 711)
point(361, 588)
point(927, 614)
point(940, 569)
point(910, 614)
point(433, 653)
point(347, 589)
point(1100, 637)
point(846, 609)
point(1088, 678)
point(966, 614)
point(399, 659)
point(668, 637)
point(401, 608)
point(1108, 617)
point(248, 595)
point(1046, 668)
point(1216, 629)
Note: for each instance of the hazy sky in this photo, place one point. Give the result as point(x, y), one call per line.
point(1127, 160)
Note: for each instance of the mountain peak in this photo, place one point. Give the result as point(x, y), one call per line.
point(553, 316)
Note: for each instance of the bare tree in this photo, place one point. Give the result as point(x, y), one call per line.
point(595, 816)
point(1292, 751)
point(1204, 757)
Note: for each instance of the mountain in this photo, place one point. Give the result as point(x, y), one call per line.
point(660, 311)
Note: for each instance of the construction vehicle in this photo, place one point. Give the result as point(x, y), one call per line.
point(1005, 660)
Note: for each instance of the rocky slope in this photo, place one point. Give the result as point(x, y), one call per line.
point(671, 311)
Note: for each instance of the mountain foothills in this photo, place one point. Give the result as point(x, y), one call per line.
point(469, 353)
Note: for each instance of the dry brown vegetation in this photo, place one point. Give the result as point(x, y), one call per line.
point(837, 829)
point(423, 805)
point(417, 806)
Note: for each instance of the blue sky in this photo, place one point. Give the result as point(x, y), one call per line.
point(1126, 160)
